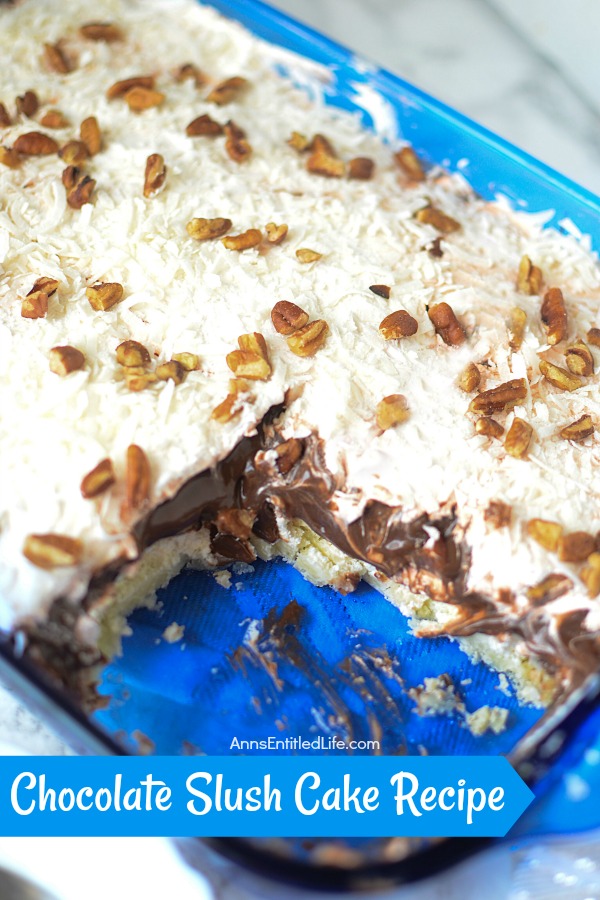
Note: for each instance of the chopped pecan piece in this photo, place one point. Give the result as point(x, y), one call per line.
point(554, 315)
point(308, 339)
point(549, 588)
point(590, 575)
point(71, 176)
point(27, 104)
point(99, 480)
point(227, 91)
point(518, 438)
point(576, 547)
point(288, 454)
point(227, 409)
point(579, 430)
point(154, 175)
point(545, 533)
point(74, 153)
point(132, 354)
point(230, 547)
point(46, 284)
point(397, 325)
point(104, 295)
point(382, 290)
point(299, 142)
point(235, 521)
point(249, 364)
point(204, 126)
point(9, 157)
point(410, 163)
point(529, 277)
point(81, 191)
point(287, 317)
point(171, 370)
point(516, 328)
point(446, 324)
point(54, 119)
point(208, 229)
point(504, 396)
point(237, 147)
point(35, 143)
point(189, 361)
point(52, 551)
point(361, 168)
point(593, 337)
point(141, 98)
point(190, 72)
point(138, 380)
point(239, 386)
point(64, 360)
point(101, 31)
point(137, 478)
point(391, 411)
point(245, 241)
point(579, 359)
point(489, 427)
point(469, 379)
point(559, 377)
point(322, 160)
point(275, 233)
point(498, 514)
point(265, 524)
point(305, 255)
point(35, 305)
point(439, 220)
point(321, 144)
point(120, 88)
point(56, 60)
point(254, 342)
point(5, 119)
point(90, 134)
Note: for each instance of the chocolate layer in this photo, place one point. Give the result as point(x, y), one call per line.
point(265, 473)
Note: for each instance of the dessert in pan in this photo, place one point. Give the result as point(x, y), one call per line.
point(234, 323)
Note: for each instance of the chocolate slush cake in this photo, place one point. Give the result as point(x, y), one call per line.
point(233, 322)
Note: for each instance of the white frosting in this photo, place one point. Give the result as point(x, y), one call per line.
point(185, 296)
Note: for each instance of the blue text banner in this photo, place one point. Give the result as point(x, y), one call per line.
point(260, 796)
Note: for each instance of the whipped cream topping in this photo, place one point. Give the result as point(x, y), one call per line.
point(180, 295)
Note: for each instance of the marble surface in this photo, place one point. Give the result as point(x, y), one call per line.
point(528, 71)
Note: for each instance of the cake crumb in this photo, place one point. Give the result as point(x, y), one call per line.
point(223, 577)
point(487, 718)
point(173, 633)
point(436, 696)
point(503, 684)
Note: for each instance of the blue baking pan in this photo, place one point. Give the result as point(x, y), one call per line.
point(272, 659)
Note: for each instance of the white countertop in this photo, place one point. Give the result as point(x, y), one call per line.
point(529, 71)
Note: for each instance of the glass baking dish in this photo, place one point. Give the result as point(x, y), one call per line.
point(163, 692)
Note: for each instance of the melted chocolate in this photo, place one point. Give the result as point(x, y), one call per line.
point(264, 474)
point(258, 476)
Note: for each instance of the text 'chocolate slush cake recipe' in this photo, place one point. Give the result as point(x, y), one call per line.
point(234, 323)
